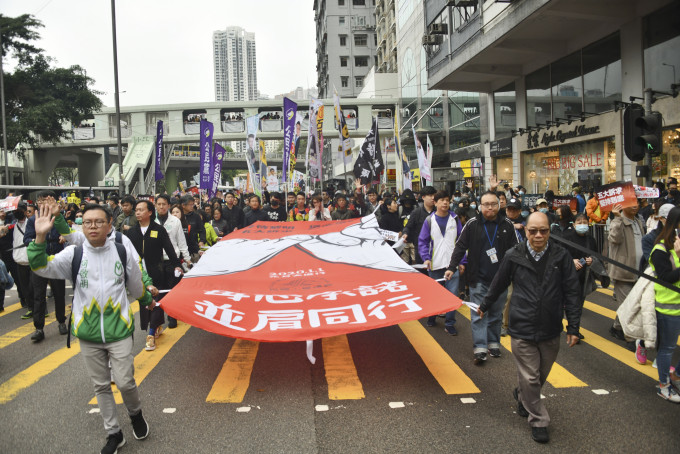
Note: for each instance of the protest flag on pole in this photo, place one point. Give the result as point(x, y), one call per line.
point(206, 129)
point(159, 149)
point(290, 112)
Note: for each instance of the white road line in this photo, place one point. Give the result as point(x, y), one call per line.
point(93, 410)
point(396, 404)
point(321, 408)
point(169, 410)
point(243, 409)
point(600, 392)
point(468, 400)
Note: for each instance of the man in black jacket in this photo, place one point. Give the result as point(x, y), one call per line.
point(150, 239)
point(545, 288)
point(417, 218)
point(256, 213)
point(485, 238)
point(195, 227)
point(232, 213)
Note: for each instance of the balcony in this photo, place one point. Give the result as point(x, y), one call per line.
point(233, 126)
point(151, 129)
point(271, 125)
point(83, 133)
point(192, 127)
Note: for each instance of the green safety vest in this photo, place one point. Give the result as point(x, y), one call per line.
point(667, 300)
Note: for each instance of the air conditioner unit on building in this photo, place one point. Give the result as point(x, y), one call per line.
point(438, 29)
point(432, 40)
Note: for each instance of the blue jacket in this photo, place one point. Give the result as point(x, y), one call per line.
point(5, 278)
point(52, 240)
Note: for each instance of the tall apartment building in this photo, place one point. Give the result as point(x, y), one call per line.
point(346, 45)
point(387, 36)
point(235, 65)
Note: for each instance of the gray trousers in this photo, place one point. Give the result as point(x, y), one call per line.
point(96, 357)
point(534, 361)
point(621, 290)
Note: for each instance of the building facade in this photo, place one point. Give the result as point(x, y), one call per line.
point(555, 74)
point(346, 43)
point(386, 27)
point(235, 64)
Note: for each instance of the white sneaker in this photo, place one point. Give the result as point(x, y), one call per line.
point(669, 393)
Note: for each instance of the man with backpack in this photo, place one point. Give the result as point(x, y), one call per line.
point(101, 315)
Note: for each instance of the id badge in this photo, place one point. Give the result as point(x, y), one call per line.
point(492, 255)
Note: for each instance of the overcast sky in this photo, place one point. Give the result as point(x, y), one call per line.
point(165, 46)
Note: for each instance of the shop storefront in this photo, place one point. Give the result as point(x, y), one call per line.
point(501, 157)
point(668, 163)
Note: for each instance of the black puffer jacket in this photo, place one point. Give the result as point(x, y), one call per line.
point(537, 307)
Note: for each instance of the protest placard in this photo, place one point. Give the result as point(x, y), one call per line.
point(618, 193)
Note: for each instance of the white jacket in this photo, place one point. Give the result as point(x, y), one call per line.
point(174, 228)
point(637, 313)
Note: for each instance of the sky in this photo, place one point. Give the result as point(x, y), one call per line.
point(165, 46)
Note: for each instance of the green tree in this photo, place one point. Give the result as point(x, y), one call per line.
point(40, 97)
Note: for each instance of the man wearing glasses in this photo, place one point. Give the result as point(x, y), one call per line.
point(545, 288)
point(485, 238)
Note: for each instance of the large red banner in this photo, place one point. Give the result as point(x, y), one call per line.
point(293, 281)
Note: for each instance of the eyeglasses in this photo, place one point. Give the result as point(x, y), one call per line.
point(490, 205)
point(535, 231)
point(96, 223)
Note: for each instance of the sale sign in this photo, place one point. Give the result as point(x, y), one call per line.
point(618, 193)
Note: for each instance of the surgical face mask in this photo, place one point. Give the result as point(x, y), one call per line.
point(543, 210)
point(581, 229)
point(456, 199)
point(473, 205)
point(525, 214)
point(79, 221)
point(521, 192)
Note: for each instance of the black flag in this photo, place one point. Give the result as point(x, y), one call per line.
point(369, 164)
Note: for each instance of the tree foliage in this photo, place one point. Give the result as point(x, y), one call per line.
point(40, 97)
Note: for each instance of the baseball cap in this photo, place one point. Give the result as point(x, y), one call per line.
point(514, 203)
point(540, 201)
point(665, 209)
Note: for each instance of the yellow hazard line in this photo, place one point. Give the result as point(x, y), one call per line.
point(19, 333)
point(559, 377)
point(447, 373)
point(341, 373)
point(10, 309)
point(29, 376)
point(234, 378)
point(146, 361)
point(606, 291)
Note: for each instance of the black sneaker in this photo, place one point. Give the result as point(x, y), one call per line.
point(617, 333)
point(172, 322)
point(451, 330)
point(431, 324)
point(62, 328)
point(139, 426)
point(27, 315)
point(480, 358)
point(38, 335)
point(540, 434)
point(520, 408)
point(113, 442)
point(495, 352)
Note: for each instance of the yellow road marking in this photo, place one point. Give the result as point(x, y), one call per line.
point(600, 310)
point(617, 352)
point(606, 291)
point(31, 375)
point(19, 333)
point(146, 361)
point(449, 375)
point(341, 373)
point(233, 380)
point(559, 377)
point(10, 309)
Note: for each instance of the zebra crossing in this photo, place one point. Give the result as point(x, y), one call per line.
point(233, 381)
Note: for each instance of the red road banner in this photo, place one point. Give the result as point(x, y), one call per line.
point(296, 281)
point(616, 194)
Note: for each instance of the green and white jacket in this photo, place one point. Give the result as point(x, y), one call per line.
point(101, 305)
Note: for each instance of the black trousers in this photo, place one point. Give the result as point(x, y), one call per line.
point(40, 299)
point(23, 282)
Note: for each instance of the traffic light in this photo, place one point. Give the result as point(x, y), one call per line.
point(650, 137)
point(631, 131)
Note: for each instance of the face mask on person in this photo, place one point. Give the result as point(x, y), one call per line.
point(473, 206)
point(79, 221)
point(581, 229)
point(521, 192)
point(274, 203)
point(543, 210)
point(456, 199)
point(525, 214)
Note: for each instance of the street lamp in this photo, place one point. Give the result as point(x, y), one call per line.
point(121, 182)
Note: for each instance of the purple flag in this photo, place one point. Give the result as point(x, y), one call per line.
point(218, 156)
point(206, 155)
point(290, 111)
point(159, 149)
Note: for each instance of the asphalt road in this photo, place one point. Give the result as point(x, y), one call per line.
point(405, 409)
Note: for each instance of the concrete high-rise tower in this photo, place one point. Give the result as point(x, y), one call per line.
point(235, 65)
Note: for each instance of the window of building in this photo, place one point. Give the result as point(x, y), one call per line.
point(343, 40)
point(343, 61)
point(375, 60)
point(359, 2)
point(344, 81)
point(661, 41)
point(360, 61)
point(341, 20)
point(341, 2)
point(538, 96)
point(565, 77)
point(602, 74)
point(375, 39)
point(360, 40)
point(359, 81)
point(505, 117)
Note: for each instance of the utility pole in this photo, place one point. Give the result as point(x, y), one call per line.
point(648, 95)
point(4, 125)
point(121, 181)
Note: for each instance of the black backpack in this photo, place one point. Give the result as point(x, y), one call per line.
point(75, 268)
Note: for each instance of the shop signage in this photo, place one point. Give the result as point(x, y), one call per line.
point(559, 136)
point(501, 147)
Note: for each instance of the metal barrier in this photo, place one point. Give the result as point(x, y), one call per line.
point(600, 233)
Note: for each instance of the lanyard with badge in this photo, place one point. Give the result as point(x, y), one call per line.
point(493, 256)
